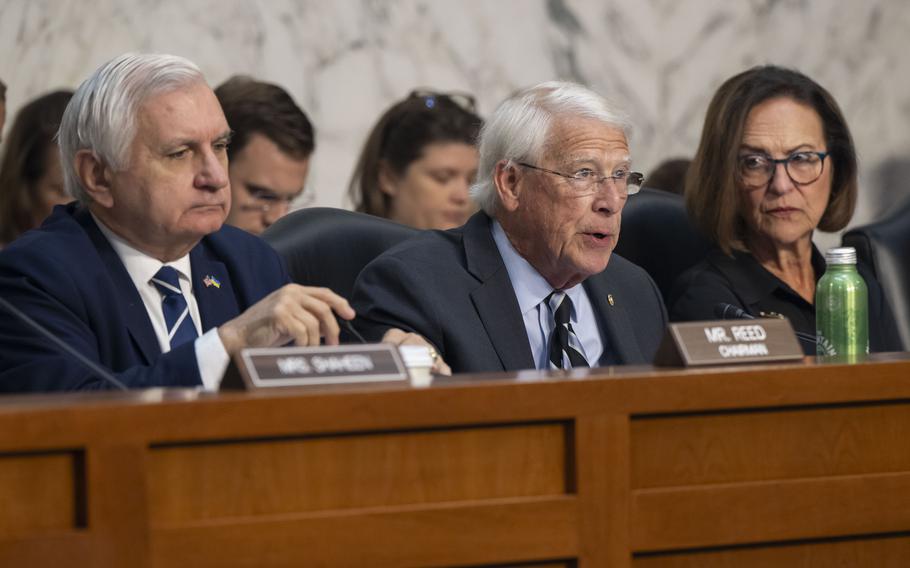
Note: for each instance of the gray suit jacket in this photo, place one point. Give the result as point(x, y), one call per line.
point(453, 288)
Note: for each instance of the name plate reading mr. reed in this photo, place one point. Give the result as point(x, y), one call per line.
point(724, 342)
point(259, 368)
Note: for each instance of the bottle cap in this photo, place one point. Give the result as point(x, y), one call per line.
point(841, 255)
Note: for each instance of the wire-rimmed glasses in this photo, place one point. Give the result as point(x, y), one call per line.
point(587, 181)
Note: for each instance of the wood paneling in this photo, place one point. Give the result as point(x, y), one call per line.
point(269, 477)
point(40, 493)
point(752, 446)
point(455, 535)
point(770, 511)
point(873, 552)
point(783, 465)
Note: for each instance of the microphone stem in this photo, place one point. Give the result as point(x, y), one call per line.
point(108, 377)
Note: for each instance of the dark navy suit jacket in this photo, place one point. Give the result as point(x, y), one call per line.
point(67, 277)
point(453, 288)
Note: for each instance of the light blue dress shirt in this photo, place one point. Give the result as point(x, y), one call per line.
point(531, 289)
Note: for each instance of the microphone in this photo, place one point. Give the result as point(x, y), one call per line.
point(727, 311)
point(94, 367)
point(349, 327)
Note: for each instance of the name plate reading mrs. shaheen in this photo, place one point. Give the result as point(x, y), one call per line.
point(258, 368)
point(725, 342)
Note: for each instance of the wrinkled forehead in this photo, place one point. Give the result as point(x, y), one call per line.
point(578, 137)
point(191, 107)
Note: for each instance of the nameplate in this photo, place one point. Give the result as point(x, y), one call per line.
point(725, 342)
point(273, 367)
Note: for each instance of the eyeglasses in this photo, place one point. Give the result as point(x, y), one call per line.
point(587, 181)
point(264, 201)
point(757, 170)
point(430, 99)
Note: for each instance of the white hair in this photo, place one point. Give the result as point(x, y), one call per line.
point(520, 126)
point(101, 116)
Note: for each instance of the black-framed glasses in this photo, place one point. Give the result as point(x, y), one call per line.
point(757, 170)
point(431, 99)
point(586, 181)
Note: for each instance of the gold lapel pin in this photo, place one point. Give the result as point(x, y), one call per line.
point(610, 299)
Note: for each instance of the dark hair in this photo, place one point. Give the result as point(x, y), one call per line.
point(2, 92)
point(401, 135)
point(669, 175)
point(255, 107)
point(711, 184)
point(33, 132)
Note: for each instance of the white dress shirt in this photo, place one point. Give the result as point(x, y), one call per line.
point(532, 289)
point(211, 356)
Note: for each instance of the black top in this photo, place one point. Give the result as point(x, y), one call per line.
point(741, 281)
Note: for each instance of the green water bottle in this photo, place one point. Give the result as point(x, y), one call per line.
point(842, 308)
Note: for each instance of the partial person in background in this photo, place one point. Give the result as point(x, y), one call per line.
point(530, 281)
point(776, 162)
point(31, 179)
point(419, 161)
point(269, 155)
point(2, 108)
point(670, 176)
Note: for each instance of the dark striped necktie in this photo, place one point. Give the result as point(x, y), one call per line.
point(180, 328)
point(565, 349)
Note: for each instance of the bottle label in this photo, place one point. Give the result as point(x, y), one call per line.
point(823, 345)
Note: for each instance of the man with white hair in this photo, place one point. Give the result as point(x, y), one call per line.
point(529, 281)
point(138, 275)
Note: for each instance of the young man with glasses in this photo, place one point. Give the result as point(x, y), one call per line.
point(269, 153)
point(530, 281)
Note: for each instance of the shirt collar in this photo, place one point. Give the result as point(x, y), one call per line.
point(530, 287)
point(140, 266)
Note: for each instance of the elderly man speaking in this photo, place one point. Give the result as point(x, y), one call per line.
point(529, 281)
point(139, 276)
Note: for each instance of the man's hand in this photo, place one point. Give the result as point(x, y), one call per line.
point(400, 337)
point(303, 314)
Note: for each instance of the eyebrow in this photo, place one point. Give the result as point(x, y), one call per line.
point(254, 188)
point(177, 142)
point(586, 159)
point(751, 148)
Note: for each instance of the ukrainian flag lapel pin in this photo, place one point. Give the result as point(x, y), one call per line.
point(210, 281)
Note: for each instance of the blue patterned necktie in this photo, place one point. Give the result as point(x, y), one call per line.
point(180, 328)
point(564, 344)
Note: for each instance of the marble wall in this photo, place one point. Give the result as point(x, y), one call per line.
point(345, 61)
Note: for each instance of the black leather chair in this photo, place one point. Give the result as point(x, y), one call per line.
point(885, 248)
point(657, 235)
point(323, 246)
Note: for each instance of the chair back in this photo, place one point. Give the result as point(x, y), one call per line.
point(884, 246)
point(324, 246)
point(657, 235)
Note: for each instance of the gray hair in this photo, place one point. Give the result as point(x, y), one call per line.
point(101, 116)
point(520, 126)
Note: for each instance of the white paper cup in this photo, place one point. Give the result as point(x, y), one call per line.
point(419, 363)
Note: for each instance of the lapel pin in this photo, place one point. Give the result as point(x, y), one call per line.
point(212, 281)
point(610, 299)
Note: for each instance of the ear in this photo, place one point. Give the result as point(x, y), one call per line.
point(506, 176)
point(388, 181)
point(95, 177)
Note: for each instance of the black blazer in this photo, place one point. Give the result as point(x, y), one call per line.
point(741, 281)
point(453, 288)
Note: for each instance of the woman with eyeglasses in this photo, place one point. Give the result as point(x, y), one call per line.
point(419, 162)
point(776, 161)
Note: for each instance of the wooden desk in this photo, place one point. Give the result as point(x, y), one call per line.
point(786, 465)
